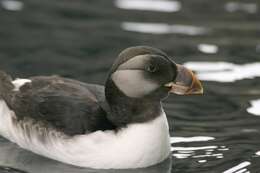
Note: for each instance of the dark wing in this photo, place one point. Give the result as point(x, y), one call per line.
point(67, 105)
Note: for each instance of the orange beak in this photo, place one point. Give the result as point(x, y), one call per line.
point(186, 83)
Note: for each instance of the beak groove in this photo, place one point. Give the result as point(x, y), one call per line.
point(186, 83)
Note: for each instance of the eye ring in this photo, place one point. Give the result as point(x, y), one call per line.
point(151, 68)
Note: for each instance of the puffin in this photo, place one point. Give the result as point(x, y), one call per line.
point(121, 125)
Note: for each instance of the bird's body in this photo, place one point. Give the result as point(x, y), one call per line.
point(124, 148)
point(87, 125)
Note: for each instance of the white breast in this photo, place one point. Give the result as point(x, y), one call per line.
point(138, 145)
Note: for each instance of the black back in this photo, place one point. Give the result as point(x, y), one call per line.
point(67, 105)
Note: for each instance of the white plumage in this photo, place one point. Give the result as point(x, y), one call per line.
point(20, 82)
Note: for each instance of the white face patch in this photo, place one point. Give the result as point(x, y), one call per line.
point(130, 77)
point(133, 83)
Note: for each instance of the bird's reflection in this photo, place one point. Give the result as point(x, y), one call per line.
point(14, 157)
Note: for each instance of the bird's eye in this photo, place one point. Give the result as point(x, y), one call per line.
point(151, 68)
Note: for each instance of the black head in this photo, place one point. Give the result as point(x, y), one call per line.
point(142, 72)
point(142, 76)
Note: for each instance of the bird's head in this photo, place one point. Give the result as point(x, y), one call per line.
point(146, 72)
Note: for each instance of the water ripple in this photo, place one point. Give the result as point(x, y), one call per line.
point(254, 108)
point(208, 48)
point(200, 153)
point(191, 139)
point(240, 167)
point(224, 71)
point(12, 5)
point(193, 148)
point(162, 28)
point(238, 6)
point(149, 5)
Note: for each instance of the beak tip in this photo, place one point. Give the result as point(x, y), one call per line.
point(197, 88)
point(194, 91)
point(198, 92)
point(186, 83)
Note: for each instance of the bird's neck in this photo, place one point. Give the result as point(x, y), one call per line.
point(125, 110)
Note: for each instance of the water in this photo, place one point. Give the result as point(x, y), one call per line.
point(219, 132)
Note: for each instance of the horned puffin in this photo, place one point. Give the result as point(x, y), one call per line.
point(120, 125)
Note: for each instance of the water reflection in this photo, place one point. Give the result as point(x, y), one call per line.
point(257, 48)
point(12, 5)
point(254, 108)
point(186, 152)
point(149, 5)
point(191, 139)
point(239, 168)
point(10, 170)
point(239, 6)
point(201, 153)
point(162, 28)
point(208, 48)
point(224, 71)
point(14, 157)
point(202, 161)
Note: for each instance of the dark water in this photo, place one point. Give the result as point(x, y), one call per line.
point(81, 38)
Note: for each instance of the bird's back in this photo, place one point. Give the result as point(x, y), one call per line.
point(69, 106)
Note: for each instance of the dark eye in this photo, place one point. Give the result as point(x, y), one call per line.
point(151, 68)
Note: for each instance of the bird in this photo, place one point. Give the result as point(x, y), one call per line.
point(121, 125)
